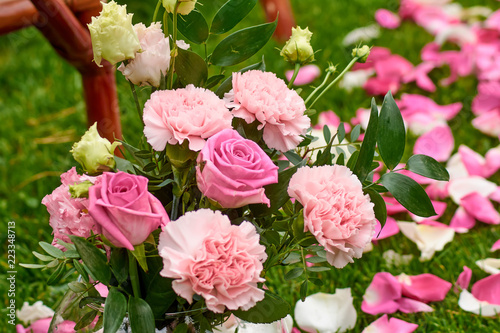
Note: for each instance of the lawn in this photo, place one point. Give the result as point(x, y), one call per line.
point(43, 113)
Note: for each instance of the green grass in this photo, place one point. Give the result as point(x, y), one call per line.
point(42, 114)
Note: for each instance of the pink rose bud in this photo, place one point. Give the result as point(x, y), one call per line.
point(232, 170)
point(126, 211)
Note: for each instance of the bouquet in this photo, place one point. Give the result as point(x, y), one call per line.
point(180, 231)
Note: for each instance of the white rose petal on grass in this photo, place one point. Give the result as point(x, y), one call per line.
point(326, 313)
point(468, 302)
point(394, 259)
point(459, 188)
point(284, 325)
point(429, 239)
point(489, 265)
point(31, 313)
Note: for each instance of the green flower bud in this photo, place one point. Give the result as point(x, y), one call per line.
point(180, 155)
point(94, 153)
point(112, 34)
point(185, 6)
point(361, 52)
point(298, 48)
point(80, 190)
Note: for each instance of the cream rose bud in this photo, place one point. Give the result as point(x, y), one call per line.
point(298, 48)
point(185, 6)
point(152, 61)
point(362, 52)
point(113, 36)
point(94, 152)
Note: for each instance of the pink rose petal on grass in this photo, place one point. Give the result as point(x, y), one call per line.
point(382, 294)
point(390, 229)
point(424, 287)
point(386, 325)
point(480, 208)
point(496, 246)
point(463, 279)
point(420, 75)
point(485, 297)
point(306, 75)
point(438, 143)
point(439, 207)
point(488, 123)
point(387, 19)
point(408, 305)
point(462, 221)
point(393, 206)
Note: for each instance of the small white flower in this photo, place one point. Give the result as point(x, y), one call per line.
point(31, 313)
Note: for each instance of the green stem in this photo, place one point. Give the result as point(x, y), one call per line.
point(319, 87)
point(165, 23)
point(157, 9)
point(175, 208)
point(348, 67)
point(295, 72)
point(174, 46)
point(134, 275)
point(136, 99)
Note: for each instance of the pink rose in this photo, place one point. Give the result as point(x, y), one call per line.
point(42, 326)
point(153, 60)
point(263, 97)
point(68, 216)
point(232, 170)
point(208, 256)
point(336, 211)
point(193, 114)
point(126, 211)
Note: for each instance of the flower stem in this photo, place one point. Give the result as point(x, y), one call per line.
point(157, 9)
point(318, 87)
point(295, 72)
point(348, 67)
point(136, 99)
point(134, 275)
point(174, 46)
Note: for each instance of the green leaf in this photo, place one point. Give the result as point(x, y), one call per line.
point(190, 68)
point(340, 132)
point(353, 160)
point(230, 14)
point(316, 260)
point(391, 133)
point(303, 290)
point(52, 250)
point(145, 154)
point(277, 193)
point(227, 85)
point(271, 308)
point(242, 44)
point(32, 266)
point(181, 328)
point(326, 133)
point(94, 259)
point(123, 164)
point(81, 270)
point(293, 157)
point(213, 81)
point(57, 275)
point(355, 133)
point(115, 308)
point(119, 264)
point(77, 287)
point(193, 26)
point(317, 282)
point(86, 320)
point(294, 273)
point(367, 151)
point(159, 292)
point(380, 208)
point(140, 316)
point(140, 254)
point(428, 167)
point(408, 193)
point(318, 269)
point(42, 257)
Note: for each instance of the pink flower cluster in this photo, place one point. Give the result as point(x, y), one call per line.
point(336, 211)
point(208, 256)
point(69, 216)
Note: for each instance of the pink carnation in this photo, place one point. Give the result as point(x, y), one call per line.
point(69, 216)
point(208, 256)
point(193, 114)
point(335, 210)
point(263, 97)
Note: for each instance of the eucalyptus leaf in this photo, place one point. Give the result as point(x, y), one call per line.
point(355, 133)
point(190, 68)
point(115, 308)
point(140, 316)
point(242, 44)
point(52, 250)
point(57, 275)
point(294, 273)
point(428, 167)
point(81, 270)
point(326, 133)
point(391, 133)
point(42, 257)
point(270, 309)
point(340, 132)
point(86, 320)
point(230, 14)
point(303, 290)
point(408, 193)
point(367, 151)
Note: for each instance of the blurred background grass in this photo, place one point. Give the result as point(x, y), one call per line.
point(42, 113)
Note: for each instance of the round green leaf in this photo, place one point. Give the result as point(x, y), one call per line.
point(193, 26)
point(391, 132)
point(191, 68)
point(408, 193)
point(428, 167)
point(242, 44)
point(230, 14)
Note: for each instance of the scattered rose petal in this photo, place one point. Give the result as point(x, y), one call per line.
point(468, 302)
point(429, 239)
point(489, 265)
point(464, 278)
point(324, 313)
point(462, 221)
point(439, 207)
point(485, 297)
point(394, 259)
point(459, 188)
point(382, 294)
point(387, 19)
point(233, 323)
point(480, 208)
point(408, 305)
point(306, 75)
point(386, 325)
point(390, 229)
point(438, 143)
point(496, 246)
point(424, 287)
